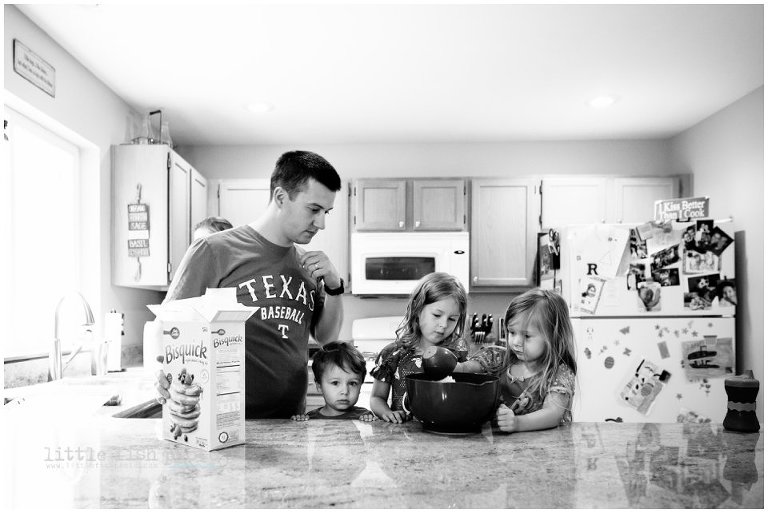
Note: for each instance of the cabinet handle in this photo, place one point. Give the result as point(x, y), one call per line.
point(474, 279)
point(401, 224)
point(417, 224)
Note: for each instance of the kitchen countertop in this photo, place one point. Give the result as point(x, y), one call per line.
point(66, 452)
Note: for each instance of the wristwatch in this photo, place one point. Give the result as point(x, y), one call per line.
point(336, 291)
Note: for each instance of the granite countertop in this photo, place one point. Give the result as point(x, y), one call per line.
point(65, 452)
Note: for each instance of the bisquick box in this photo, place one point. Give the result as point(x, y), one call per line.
point(203, 345)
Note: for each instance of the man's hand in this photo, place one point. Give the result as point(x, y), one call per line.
point(320, 266)
point(506, 418)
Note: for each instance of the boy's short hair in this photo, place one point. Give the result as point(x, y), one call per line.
point(213, 224)
point(342, 354)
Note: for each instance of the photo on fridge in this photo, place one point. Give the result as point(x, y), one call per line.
point(635, 275)
point(702, 291)
point(638, 248)
point(726, 293)
point(649, 296)
point(719, 241)
point(696, 262)
point(704, 229)
point(689, 237)
point(592, 287)
point(666, 277)
point(665, 257)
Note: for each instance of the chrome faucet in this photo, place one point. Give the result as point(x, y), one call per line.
point(55, 366)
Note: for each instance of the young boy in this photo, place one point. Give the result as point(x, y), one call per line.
point(339, 371)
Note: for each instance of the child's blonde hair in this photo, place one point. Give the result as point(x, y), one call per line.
point(430, 289)
point(548, 312)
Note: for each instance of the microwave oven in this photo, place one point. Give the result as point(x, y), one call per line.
point(393, 262)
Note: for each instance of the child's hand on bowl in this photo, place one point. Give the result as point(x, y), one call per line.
point(506, 419)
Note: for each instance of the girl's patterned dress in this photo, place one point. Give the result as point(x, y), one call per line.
point(396, 361)
point(516, 392)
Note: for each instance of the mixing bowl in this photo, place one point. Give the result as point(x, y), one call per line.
point(461, 407)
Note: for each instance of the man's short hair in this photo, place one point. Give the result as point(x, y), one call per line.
point(342, 354)
point(294, 168)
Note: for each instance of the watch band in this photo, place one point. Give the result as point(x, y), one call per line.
point(336, 291)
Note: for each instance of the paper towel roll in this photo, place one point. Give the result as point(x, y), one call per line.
point(153, 346)
point(113, 334)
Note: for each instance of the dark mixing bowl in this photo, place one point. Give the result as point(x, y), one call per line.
point(452, 408)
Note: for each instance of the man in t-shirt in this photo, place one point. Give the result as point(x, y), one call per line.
point(297, 292)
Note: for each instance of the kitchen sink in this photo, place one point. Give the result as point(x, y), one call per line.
point(150, 409)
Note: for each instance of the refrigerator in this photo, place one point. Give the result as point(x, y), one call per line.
point(652, 307)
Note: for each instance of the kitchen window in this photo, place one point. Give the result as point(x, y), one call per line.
point(40, 228)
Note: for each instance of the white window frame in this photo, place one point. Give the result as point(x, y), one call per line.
point(90, 237)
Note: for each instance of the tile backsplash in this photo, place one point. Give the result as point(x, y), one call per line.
point(33, 371)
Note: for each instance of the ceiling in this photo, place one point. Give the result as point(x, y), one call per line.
point(416, 73)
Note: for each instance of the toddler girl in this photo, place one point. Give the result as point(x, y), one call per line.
point(538, 368)
point(435, 315)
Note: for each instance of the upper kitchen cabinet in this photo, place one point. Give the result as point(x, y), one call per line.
point(409, 205)
point(242, 201)
point(573, 200)
point(633, 198)
point(504, 223)
point(604, 199)
point(157, 198)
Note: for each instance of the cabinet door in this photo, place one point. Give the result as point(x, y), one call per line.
point(379, 205)
point(503, 235)
point(198, 199)
point(242, 201)
point(633, 198)
point(572, 200)
point(334, 239)
point(439, 205)
point(140, 215)
point(179, 179)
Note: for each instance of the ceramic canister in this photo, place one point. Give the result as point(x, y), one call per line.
point(742, 394)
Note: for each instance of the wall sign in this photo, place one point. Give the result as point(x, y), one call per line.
point(138, 230)
point(681, 209)
point(32, 67)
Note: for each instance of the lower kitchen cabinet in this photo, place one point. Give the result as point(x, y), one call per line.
point(504, 224)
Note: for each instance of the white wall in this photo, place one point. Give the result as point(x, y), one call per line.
point(633, 157)
point(88, 112)
point(725, 154)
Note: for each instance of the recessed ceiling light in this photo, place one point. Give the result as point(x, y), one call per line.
point(602, 102)
point(259, 107)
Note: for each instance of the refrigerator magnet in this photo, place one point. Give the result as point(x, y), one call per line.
point(644, 386)
point(592, 287)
